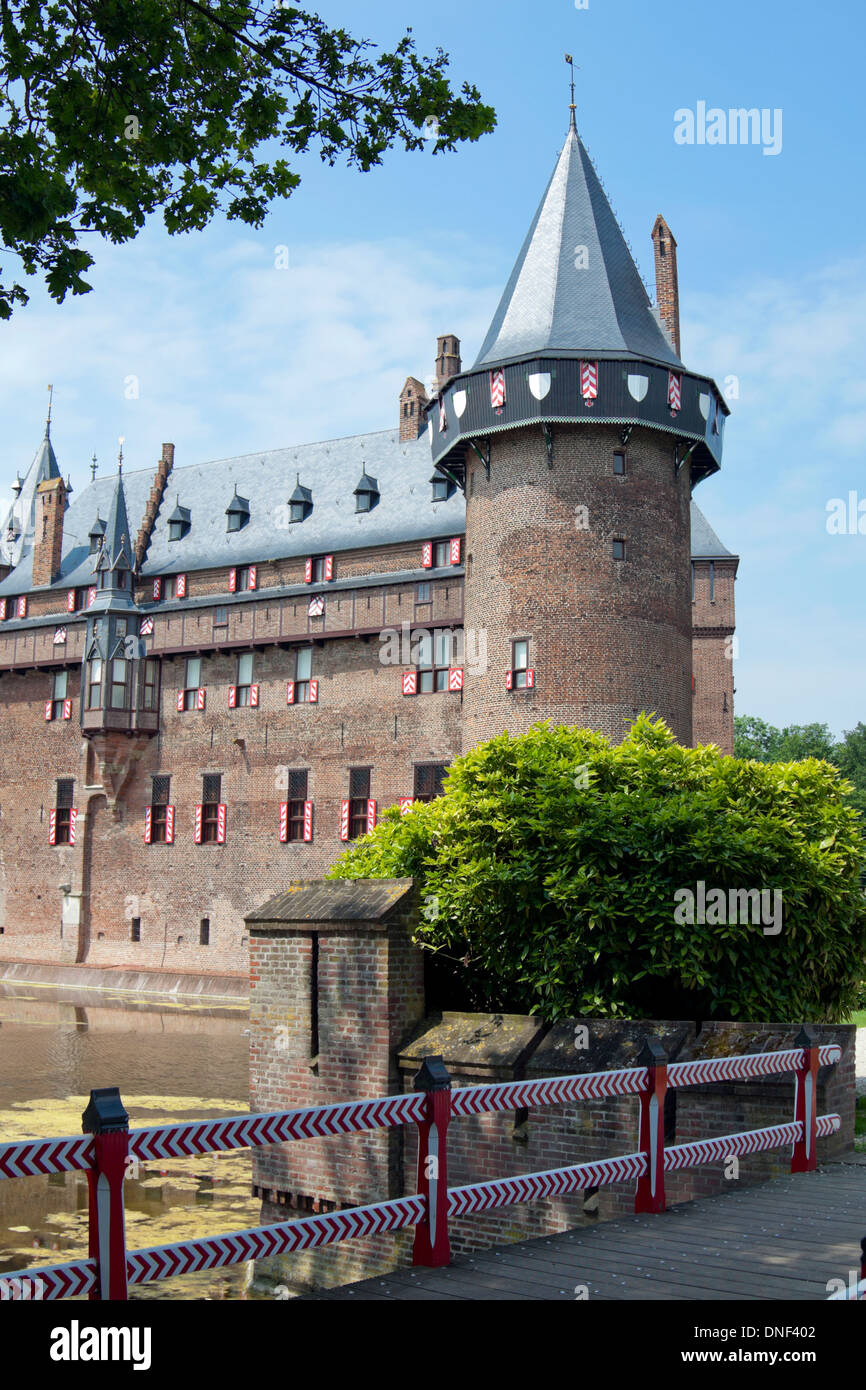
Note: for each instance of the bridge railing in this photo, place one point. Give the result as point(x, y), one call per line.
point(109, 1148)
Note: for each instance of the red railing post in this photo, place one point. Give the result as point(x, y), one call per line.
point(804, 1158)
point(432, 1246)
point(650, 1194)
point(107, 1120)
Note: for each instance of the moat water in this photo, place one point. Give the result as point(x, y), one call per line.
point(170, 1064)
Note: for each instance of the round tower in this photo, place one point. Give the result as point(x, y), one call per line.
point(578, 434)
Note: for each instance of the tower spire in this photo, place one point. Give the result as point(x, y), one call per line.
point(573, 120)
point(50, 403)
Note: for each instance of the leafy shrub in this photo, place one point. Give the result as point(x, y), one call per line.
point(550, 865)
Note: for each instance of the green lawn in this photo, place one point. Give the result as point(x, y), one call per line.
point(859, 1019)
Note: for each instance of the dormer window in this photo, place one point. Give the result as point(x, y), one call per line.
point(96, 534)
point(442, 487)
point(366, 493)
point(179, 523)
point(237, 513)
point(300, 502)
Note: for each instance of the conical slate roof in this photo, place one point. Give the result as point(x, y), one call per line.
point(21, 516)
point(116, 543)
point(563, 300)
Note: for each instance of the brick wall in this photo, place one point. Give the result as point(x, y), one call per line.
point(713, 665)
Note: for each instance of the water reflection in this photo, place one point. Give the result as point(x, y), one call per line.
point(171, 1063)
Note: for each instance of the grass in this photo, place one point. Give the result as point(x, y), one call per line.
point(859, 1019)
point(860, 1124)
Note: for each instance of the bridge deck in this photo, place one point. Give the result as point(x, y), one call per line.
point(783, 1240)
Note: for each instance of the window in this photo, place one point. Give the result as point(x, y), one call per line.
point(175, 586)
point(94, 683)
point(150, 687)
point(441, 554)
point(712, 581)
point(522, 677)
point(76, 599)
point(303, 674)
point(359, 797)
point(61, 686)
point(188, 696)
point(423, 593)
point(220, 617)
point(319, 570)
point(64, 813)
point(161, 813)
point(296, 806)
point(245, 685)
point(204, 932)
point(119, 683)
point(135, 933)
point(619, 550)
point(210, 809)
point(619, 463)
point(428, 780)
point(433, 660)
point(441, 489)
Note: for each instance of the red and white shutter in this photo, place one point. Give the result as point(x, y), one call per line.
point(157, 588)
point(67, 709)
point(308, 571)
point(254, 574)
point(329, 566)
point(675, 391)
point(290, 692)
point(497, 388)
point(284, 822)
point(314, 692)
point(179, 701)
point(530, 679)
point(455, 678)
point(308, 820)
point(180, 587)
point(410, 682)
point(371, 817)
point(49, 709)
point(589, 381)
point(70, 600)
point(200, 697)
point(427, 555)
point(443, 419)
point(233, 696)
point(73, 817)
point(169, 825)
point(233, 581)
point(254, 696)
point(197, 829)
point(406, 804)
point(2, 608)
point(455, 551)
point(148, 825)
point(52, 827)
point(22, 606)
point(509, 680)
point(221, 823)
point(91, 596)
point(146, 627)
point(344, 820)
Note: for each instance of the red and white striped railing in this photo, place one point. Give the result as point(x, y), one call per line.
point(105, 1151)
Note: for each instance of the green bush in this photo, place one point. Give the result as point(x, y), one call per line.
point(550, 865)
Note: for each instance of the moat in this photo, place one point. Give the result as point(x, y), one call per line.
point(170, 1063)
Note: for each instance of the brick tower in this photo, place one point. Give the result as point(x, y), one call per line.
point(579, 435)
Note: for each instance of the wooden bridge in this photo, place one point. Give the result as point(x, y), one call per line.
point(786, 1239)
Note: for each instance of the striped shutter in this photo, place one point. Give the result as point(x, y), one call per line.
point(344, 820)
point(49, 709)
point(197, 830)
point(22, 606)
point(314, 692)
point(371, 817)
point(200, 697)
point(67, 709)
point(509, 680)
point(91, 596)
point(308, 571)
point(530, 680)
point(284, 822)
point(427, 555)
point(169, 825)
point(221, 823)
point(73, 817)
point(233, 696)
point(70, 600)
point(2, 608)
point(52, 827)
point(308, 820)
point(157, 588)
point(146, 627)
point(675, 391)
point(290, 692)
point(180, 588)
point(254, 574)
point(233, 581)
point(406, 803)
point(254, 696)
point(455, 551)
point(455, 678)
point(148, 825)
point(410, 682)
point(329, 566)
point(178, 703)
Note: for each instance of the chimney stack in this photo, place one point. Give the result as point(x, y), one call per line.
point(667, 284)
point(447, 360)
point(154, 501)
point(413, 403)
point(48, 541)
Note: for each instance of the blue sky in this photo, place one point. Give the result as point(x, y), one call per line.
point(230, 354)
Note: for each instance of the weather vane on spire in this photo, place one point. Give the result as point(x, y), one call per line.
point(93, 467)
point(120, 454)
point(570, 60)
point(50, 401)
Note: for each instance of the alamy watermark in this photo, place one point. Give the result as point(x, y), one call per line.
point(735, 126)
point(729, 907)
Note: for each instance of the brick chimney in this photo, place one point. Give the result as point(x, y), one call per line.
point(448, 362)
point(413, 401)
point(48, 542)
point(667, 284)
point(154, 501)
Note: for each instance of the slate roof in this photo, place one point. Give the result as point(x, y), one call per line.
point(705, 543)
point(23, 510)
point(550, 306)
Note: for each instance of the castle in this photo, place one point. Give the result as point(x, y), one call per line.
point(213, 675)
